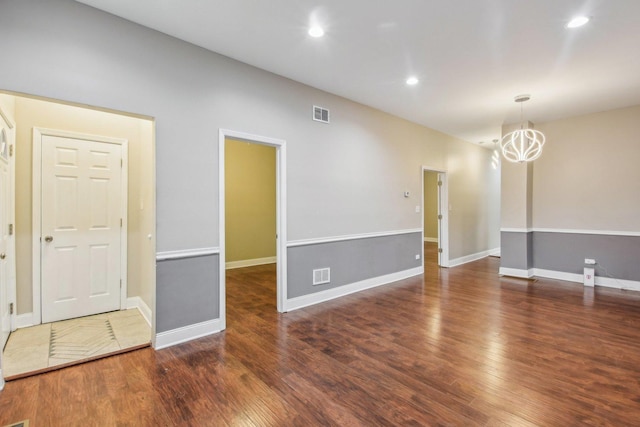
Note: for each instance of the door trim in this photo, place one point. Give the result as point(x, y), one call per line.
point(36, 207)
point(443, 209)
point(11, 284)
point(281, 214)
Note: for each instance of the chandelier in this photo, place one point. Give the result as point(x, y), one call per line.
point(522, 145)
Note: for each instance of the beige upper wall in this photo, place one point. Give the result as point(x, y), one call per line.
point(8, 105)
point(30, 113)
point(588, 177)
point(250, 201)
point(431, 205)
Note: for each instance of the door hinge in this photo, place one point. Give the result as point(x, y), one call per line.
point(11, 150)
point(439, 183)
point(10, 229)
point(120, 283)
point(10, 308)
point(439, 216)
point(121, 162)
point(439, 250)
point(120, 222)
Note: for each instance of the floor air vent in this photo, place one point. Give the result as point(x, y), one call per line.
point(320, 114)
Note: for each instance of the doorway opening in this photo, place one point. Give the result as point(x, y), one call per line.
point(91, 172)
point(435, 218)
point(252, 218)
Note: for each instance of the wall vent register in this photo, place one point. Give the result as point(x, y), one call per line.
point(320, 114)
point(321, 276)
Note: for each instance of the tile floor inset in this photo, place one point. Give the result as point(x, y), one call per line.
point(40, 347)
point(79, 339)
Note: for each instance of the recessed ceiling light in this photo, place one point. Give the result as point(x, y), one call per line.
point(412, 81)
point(316, 32)
point(578, 21)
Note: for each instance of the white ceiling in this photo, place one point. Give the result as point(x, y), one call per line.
point(471, 56)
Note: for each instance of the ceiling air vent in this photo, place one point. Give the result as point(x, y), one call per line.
point(320, 114)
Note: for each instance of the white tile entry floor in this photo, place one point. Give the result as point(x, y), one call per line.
point(53, 344)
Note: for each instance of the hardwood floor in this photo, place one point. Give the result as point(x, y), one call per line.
point(459, 346)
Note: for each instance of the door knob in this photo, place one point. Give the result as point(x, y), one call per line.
point(3, 256)
point(48, 239)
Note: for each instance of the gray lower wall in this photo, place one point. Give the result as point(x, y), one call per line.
point(187, 291)
point(516, 250)
point(350, 261)
point(616, 256)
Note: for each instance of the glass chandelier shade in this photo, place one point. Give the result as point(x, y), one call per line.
point(522, 145)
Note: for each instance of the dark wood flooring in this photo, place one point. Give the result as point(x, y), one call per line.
point(458, 347)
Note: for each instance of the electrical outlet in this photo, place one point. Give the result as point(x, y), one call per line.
point(589, 261)
point(417, 256)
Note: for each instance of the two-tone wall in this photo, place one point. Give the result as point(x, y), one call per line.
point(583, 202)
point(345, 180)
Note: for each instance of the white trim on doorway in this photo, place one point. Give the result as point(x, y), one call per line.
point(281, 214)
point(11, 283)
point(443, 209)
point(38, 133)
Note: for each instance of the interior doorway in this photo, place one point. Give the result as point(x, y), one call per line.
point(254, 216)
point(435, 218)
point(121, 153)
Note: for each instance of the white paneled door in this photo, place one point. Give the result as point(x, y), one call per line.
point(81, 220)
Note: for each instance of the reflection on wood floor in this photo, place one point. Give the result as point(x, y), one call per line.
point(459, 346)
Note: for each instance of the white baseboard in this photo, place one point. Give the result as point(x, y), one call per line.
point(329, 294)
point(143, 308)
point(187, 333)
point(495, 252)
point(431, 239)
point(608, 282)
point(470, 258)
point(24, 320)
point(250, 262)
point(1, 380)
point(516, 272)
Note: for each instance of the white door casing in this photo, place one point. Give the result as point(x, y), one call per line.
point(443, 215)
point(440, 216)
point(7, 259)
point(81, 232)
point(281, 214)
